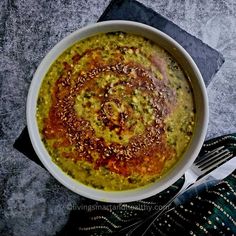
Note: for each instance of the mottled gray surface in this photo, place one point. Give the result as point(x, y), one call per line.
point(31, 201)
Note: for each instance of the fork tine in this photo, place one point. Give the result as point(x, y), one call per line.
point(206, 156)
point(216, 163)
point(201, 168)
point(211, 159)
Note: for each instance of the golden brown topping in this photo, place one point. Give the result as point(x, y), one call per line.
point(121, 104)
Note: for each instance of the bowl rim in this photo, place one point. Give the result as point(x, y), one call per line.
point(76, 186)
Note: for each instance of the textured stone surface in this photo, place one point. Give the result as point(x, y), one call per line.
point(31, 201)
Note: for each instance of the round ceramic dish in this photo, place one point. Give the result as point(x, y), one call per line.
point(200, 96)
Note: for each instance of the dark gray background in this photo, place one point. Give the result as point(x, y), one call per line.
point(31, 201)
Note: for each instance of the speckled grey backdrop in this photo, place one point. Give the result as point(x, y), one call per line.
point(31, 201)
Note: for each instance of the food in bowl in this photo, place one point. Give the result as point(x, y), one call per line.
point(116, 111)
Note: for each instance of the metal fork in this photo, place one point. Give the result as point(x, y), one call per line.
point(200, 168)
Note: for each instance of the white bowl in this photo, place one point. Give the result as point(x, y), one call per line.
point(199, 91)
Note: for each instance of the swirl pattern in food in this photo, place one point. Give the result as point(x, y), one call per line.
point(109, 110)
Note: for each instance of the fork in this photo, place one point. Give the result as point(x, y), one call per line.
point(197, 172)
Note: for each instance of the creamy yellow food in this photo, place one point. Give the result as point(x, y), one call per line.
point(115, 111)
